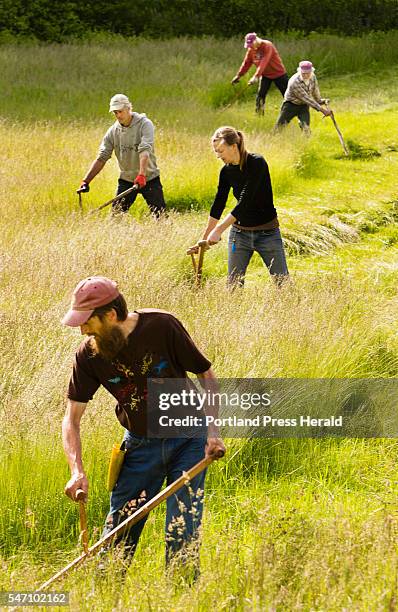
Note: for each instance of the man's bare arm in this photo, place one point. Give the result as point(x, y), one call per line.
point(144, 161)
point(94, 169)
point(215, 446)
point(73, 448)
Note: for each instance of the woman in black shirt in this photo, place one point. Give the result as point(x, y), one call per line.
point(254, 219)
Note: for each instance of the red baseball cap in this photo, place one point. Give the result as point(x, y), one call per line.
point(88, 295)
point(250, 39)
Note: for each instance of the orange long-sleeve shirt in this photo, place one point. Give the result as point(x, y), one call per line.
point(267, 60)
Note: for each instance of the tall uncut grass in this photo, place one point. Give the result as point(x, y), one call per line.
point(289, 524)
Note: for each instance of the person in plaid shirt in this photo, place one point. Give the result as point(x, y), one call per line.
point(301, 93)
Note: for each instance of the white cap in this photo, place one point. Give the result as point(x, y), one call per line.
point(118, 102)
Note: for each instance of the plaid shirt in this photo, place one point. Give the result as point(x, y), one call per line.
point(304, 92)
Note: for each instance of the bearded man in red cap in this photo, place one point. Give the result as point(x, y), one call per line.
point(270, 69)
point(123, 350)
point(302, 92)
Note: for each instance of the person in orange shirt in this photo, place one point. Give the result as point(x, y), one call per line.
point(270, 69)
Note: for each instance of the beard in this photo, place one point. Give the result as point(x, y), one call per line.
point(109, 343)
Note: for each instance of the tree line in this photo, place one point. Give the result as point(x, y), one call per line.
point(59, 20)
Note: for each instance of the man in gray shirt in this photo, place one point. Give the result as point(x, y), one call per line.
point(301, 93)
point(131, 137)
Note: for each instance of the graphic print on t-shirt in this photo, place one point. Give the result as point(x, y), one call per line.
point(152, 366)
point(126, 394)
point(158, 368)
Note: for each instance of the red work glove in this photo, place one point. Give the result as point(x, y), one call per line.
point(84, 187)
point(140, 180)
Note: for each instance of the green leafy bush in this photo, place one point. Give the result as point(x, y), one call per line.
point(55, 21)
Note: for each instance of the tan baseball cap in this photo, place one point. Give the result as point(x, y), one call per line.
point(117, 102)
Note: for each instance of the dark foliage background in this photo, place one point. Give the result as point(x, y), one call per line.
point(57, 21)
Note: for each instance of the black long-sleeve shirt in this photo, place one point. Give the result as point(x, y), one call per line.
point(252, 189)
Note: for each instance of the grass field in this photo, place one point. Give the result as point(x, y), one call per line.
point(289, 524)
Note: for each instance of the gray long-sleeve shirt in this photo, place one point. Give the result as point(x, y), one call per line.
point(128, 143)
point(303, 92)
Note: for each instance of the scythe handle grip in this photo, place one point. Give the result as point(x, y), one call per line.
point(80, 495)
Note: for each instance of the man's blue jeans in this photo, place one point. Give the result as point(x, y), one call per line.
point(147, 463)
point(243, 243)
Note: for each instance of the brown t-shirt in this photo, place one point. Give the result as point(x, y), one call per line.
point(158, 347)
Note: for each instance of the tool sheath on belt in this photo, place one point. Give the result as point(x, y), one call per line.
point(115, 465)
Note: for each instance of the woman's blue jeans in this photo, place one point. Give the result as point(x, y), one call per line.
point(243, 243)
point(147, 463)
